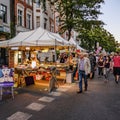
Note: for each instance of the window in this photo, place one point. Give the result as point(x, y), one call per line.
point(52, 28)
point(3, 10)
point(38, 21)
point(57, 20)
point(45, 23)
point(29, 2)
point(28, 25)
point(20, 17)
point(37, 3)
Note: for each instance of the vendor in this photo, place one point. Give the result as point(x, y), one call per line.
point(46, 60)
point(70, 62)
point(27, 62)
point(62, 59)
point(34, 61)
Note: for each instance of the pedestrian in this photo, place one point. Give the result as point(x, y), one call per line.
point(92, 64)
point(106, 68)
point(84, 70)
point(100, 65)
point(75, 65)
point(116, 66)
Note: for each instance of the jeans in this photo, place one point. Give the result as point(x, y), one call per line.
point(74, 72)
point(100, 71)
point(81, 76)
point(106, 72)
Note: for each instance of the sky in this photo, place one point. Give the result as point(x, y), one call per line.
point(111, 17)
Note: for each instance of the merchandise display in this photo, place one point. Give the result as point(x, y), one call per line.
point(41, 73)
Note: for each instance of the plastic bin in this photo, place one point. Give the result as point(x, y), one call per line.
point(69, 77)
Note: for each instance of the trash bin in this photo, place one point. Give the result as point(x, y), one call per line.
point(69, 77)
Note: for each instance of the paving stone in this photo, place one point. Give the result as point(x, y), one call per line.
point(55, 93)
point(46, 99)
point(35, 106)
point(19, 116)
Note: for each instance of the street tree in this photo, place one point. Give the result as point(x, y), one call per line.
point(89, 38)
point(78, 14)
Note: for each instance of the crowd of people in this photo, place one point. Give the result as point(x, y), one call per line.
point(102, 63)
point(89, 63)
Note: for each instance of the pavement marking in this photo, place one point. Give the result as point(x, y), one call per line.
point(55, 93)
point(46, 99)
point(19, 116)
point(35, 106)
point(66, 86)
point(62, 89)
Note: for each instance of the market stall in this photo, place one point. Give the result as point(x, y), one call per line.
point(29, 51)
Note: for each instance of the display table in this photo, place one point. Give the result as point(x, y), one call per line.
point(6, 85)
point(41, 73)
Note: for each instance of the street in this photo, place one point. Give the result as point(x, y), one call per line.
point(100, 102)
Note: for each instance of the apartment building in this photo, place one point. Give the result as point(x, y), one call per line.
point(44, 15)
point(4, 19)
point(4, 28)
point(23, 15)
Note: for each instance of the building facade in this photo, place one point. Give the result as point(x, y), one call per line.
point(23, 15)
point(4, 19)
point(5, 23)
point(44, 15)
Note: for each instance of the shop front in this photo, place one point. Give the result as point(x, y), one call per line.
point(33, 55)
point(38, 64)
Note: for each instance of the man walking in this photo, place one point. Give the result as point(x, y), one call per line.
point(84, 70)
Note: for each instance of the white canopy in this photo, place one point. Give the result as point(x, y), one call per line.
point(37, 37)
point(72, 42)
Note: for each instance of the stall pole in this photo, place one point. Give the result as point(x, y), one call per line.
point(55, 51)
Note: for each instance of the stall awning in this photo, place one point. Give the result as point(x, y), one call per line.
point(37, 37)
point(72, 42)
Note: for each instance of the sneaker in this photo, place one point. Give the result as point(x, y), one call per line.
point(116, 81)
point(85, 88)
point(106, 81)
point(79, 91)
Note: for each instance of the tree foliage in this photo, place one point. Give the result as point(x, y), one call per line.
point(82, 16)
point(78, 14)
point(89, 38)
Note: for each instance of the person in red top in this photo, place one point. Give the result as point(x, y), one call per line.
point(116, 66)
